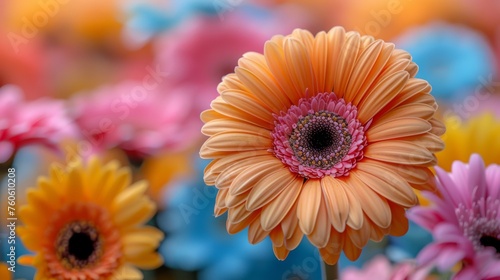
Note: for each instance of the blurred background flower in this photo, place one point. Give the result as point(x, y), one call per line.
point(42, 122)
point(136, 117)
point(479, 134)
point(69, 69)
point(451, 58)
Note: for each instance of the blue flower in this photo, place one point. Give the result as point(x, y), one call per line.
point(451, 58)
point(196, 241)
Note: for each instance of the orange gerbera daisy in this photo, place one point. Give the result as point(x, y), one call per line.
point(324, 136)
point(86, 223)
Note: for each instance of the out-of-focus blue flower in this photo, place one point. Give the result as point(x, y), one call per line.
point(148, 19)
point(196, 241)
point(451, 58)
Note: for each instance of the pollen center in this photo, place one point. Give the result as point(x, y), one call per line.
point(79, 244)
point(320, 139)
point(319, 136)
point(480, 223)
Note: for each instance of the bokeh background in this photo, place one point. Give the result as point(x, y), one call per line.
point(127, 80)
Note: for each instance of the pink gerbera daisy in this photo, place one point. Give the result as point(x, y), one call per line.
point(464, 220)
point(42, 121)
point(197, 54)
point(136, 118)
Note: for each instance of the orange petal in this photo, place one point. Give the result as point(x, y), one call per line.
point(256, 233)
point(337, 203)
point(222, 107)
point(221, 125)
point(374, 206)
point(277, 237)
point(397, 128)
point(394, 151)
point(346, 62)
point(359, 237)
point(299, 66)
point(236, 141)
point(294, 240)
point(275, 212)
point(250, 176)
point(268, 188)
point(386, 183)
point(262, 87)
point(275, 58)
point(381, 95)
point(399, 224)
point(321, 233)
point(280, 252)
point(367, 69)
point(308, 205)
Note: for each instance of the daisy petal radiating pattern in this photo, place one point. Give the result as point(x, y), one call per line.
point(86, 222)
point(464, 220)
point(323, 136)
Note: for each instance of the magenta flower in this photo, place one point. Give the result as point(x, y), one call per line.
point(380, 268)
point(464, 220)
point(42, 121)
point(135, 117)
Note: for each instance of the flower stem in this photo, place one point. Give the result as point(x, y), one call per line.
point(331, 271)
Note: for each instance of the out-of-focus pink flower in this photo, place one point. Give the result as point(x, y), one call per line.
point(136, 118)
point(381, 269)
point(42, 121)
point(199, 53)
point(464, 220)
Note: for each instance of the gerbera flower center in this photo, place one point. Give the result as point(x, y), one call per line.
point(79, 244)
point(320, 136)
point(480, 226)
point(320, 139)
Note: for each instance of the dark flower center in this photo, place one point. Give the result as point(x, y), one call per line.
point(320, 139)
point(79, 244)
point(490, 241)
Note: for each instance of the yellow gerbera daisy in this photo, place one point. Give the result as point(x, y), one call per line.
point(479, 135)
point(324, 136)
point(85, 222)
